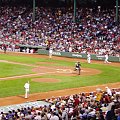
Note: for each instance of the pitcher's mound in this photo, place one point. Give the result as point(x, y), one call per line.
point(52, 80)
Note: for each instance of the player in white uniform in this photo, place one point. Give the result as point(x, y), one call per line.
point(88, 58)
point(27, 88)
point(106, 58)
point(50, 52)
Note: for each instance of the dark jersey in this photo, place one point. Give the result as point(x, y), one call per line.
point(78, 65)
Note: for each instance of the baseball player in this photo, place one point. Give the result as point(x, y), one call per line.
point(27, 87)
point(4, 48)
point(78, 67)
point(106, 58)
point(50, 52)
point(88, 58)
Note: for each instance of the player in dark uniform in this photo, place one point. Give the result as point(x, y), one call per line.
point(4, 48)
point(78, 67)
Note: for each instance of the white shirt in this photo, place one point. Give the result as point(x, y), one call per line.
point(88, 56)
point(54, 117)
point(27, 50)
point(50, 51)
point(37, 117)
point(108, 91)
point(106, 56)
point(27, 85)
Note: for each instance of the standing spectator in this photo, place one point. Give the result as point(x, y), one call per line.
point(110, 115)
point(53, 116)
point(38, 116)
point(64, 115)
point(1, 114)
point(118, 112)
point(43, 116)
point(29, 116)
point(108, 91)
point(76, 100)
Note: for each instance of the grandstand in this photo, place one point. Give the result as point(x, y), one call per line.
point(72, 28)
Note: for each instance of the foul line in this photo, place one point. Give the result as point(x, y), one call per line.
point(29, 75)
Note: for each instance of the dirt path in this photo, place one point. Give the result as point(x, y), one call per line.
point(44, 95)
point(50, 94)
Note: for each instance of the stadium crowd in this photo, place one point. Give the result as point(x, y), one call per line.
point(96, 31)
point(99, 105)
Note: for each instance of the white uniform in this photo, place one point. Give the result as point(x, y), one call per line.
point(27, 50)
point(27, 87)
point(88, 58)
point(50, 52)
point(31, 51)
point(106, 58)
point(108, 91)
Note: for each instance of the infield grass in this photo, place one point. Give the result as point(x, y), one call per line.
point(109, 74)
point(7, 69)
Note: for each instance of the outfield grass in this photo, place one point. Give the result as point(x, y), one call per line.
point(109, 74)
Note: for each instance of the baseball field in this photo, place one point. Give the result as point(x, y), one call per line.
point(51, 77)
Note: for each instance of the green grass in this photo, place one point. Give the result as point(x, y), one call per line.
point(7, 70)
point(109, 74)
point(22, 59)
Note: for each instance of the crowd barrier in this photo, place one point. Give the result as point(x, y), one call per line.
point(78, 55)
point(41, 50)
point(36, 104)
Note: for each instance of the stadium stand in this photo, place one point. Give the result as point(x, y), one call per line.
point(97, 105)
point(96, 32)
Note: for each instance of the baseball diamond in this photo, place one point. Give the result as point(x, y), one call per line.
point(59, 60)
point(45, 69)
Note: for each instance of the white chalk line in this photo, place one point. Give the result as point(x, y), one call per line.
point(29, 75)
point(36, 66)
point(5, 61)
